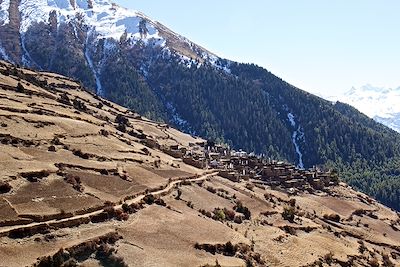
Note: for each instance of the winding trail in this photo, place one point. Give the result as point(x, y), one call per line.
point(4, 231)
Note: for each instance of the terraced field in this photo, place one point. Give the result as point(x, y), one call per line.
point(85, 182)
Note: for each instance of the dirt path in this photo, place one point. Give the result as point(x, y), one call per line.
point(4, 231)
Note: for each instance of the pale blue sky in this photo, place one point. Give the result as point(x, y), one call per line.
point(322, 46)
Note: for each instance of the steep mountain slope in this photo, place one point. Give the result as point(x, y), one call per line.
point(139, 63)
point(86, 182)
point(381, 104)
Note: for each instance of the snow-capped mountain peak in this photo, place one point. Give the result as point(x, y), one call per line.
point(94, 29)
point(104, 19)
point(379, 103)
point(108, 19)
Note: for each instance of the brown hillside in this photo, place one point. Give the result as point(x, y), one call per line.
point(87, 182)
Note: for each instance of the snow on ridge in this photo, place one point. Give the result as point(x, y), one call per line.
point(4, 14)
point(291, 119)
point(4, 55)
point(298, 134)
point(107, 19)
point(373, 101)
point(378, 103)
point(99, 88)
point(176, 118)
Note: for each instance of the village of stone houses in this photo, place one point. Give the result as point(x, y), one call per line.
point(240, 166)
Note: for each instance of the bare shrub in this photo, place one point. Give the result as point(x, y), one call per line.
point(5, 187)
point(75, 181)
point(289, 214)
point(242, 209)
point(36, 175)
point(386, 261)
point(149, 199)
point(250, 186)
point(332, 217)
point(79, 153)
point(373, 262)
point(292, 202)
point(211, 189)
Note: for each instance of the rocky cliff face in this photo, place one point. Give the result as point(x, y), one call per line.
point(10, 48)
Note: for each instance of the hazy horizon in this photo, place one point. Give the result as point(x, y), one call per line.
point(322, 47)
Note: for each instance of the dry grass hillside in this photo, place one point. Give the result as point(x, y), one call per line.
point(85, 182)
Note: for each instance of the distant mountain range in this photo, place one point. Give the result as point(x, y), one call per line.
point(381, 104)
point(137, 62)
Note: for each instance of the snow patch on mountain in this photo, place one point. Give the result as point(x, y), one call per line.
point(296, 136)
point(26, 57)
point(176, 118)
point(4, 55)
point(99, 88)
point(379, 103)
point(217, 63)
point(107, 19)
point(4, 15)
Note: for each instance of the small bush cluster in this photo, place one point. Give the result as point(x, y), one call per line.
point(104, 172)
point(56, 141)
point(205, 213)
point(79, 105)
point(332, 217)
point(373, 262)
point(224, 215)
point(329, 258)
point(250, 186)
point(289, 213)
point(121, 119)
point(268, 213)
point(242, 209)
point(119, 214)
point(99, 247)
point(123, 122)
point(28, 231)
point(79, 153)
point(288, 229)
point(211, 189)
point(5, 187)
point(240, 250)
point(292, 202)
point(64, 99)
point(104, 132)
point(75, 181)
point(386, 261)
point(359, 212)
point(20, 88)
point(35, 176)
point(362, 248)
point(150, 199)
point(133, 208)
point(227, 249)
